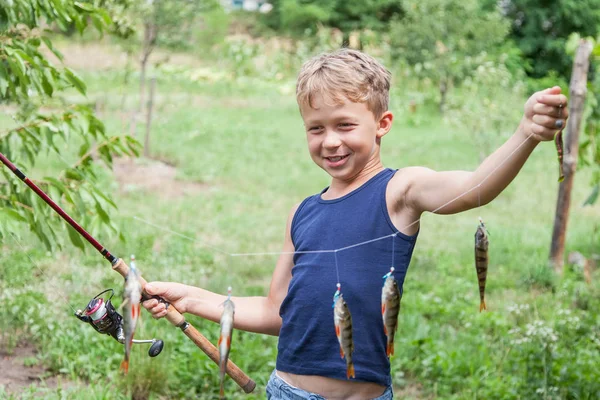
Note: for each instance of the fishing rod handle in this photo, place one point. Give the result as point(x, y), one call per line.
point(177, 319)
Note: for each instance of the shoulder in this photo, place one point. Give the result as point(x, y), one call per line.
point(404, 180)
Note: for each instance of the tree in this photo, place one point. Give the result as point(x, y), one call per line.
point(301, 16)
point(444, 38)
point(46, 123)
point(541, 29)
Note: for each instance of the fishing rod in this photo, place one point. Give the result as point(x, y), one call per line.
point(173, 316)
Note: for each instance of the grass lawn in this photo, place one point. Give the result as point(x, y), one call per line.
point(229, 160)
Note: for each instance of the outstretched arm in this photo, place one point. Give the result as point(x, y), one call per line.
point(451, 192)
point(258, 314)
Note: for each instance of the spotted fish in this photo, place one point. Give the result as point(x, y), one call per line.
point(131, 309)
point(481, 260)
point(390, 308)
point(343, 330)
point(225, 338)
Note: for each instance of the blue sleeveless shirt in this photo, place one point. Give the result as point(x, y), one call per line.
point(307, 341)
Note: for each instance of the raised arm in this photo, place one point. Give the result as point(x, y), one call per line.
point(451, 192)
point(258, 314)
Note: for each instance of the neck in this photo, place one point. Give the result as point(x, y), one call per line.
point(341, 187)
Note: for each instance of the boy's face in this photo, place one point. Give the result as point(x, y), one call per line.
point(343, 139)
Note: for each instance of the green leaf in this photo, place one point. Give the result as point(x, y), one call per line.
point(103, 215)
point(75, 80)
point(12, 214)
point(59, 185)
point(47, 84)
point(54, 51)
point(593, 196)
point(75, 238)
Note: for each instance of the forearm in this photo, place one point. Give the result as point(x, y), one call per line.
point(498, 170)
point(252, 314)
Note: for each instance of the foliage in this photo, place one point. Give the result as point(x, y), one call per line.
point(483, 106)
point(302, 17)
point(436, 37)
point(541, 30)
point(45, 121)
point(589, 148)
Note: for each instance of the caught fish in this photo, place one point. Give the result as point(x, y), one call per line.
point(558, 141)
point(131, 309)
point(390, 308)
point(481, 260)
point(225, 337)
point(343, 331)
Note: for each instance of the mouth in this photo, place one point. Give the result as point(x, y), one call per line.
point(336, 161)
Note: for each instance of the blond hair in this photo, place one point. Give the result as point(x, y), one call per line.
point(345, 73)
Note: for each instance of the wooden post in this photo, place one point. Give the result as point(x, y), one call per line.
point(149, 118)
point(577, 93)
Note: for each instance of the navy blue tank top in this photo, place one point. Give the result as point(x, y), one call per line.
point(307, 341)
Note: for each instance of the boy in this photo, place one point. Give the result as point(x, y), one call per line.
point(343, 99)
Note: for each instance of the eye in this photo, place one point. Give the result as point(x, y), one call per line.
point(346, 125)
point(314, 129)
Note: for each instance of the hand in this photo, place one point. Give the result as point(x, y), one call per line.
point(174, 293)
point(546, 113)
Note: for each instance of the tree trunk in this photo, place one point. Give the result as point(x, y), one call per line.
point(149, 118)
point(443, 93)
point(150, 32)
point(577, 92)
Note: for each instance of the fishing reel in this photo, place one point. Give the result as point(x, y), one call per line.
point(105, 319)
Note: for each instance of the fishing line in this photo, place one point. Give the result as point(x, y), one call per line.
point(478, 186)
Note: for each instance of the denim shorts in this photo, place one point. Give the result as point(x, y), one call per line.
point(278, 389)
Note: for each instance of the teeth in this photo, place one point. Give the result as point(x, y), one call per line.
point(335, 159)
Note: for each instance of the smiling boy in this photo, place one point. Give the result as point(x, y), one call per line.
point(343, 99)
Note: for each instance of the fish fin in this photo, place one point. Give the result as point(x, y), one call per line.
point(385, 330)
point(390, 349)
point(341, 352)
point(138, 309)
point(482, 306)
point(350, 371)
point(222, 391)
point(337, 330)
point(383, 308)
point(220, 340)
point(228, 341)
point(125, 366)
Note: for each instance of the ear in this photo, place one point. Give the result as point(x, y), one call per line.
point(384, 124)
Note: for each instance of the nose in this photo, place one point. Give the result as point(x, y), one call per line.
point(332, 139)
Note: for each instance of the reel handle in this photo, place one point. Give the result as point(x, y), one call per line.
point(177, 319)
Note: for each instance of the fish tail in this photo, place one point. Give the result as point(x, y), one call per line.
point(350, 371)
point(390, 349)
point(482, 306)
point(222, 391)
point(125, 366)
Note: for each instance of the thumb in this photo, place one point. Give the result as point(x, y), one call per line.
point(155, 288)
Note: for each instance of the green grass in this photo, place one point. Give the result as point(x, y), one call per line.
point(245, 142)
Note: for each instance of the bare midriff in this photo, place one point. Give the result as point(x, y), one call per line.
point(333, 389)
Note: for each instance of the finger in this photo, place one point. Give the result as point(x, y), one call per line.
point(548, 121)
point(556, 100)
point(158, 308)
point(552, 90)
point(557, 112)
point(160, 314)
point(542, 133)
point(148, 304)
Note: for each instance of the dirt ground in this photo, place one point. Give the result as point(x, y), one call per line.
point(16, 376)
point(153, 176)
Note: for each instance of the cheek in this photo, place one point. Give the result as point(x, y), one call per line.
point(314, 144)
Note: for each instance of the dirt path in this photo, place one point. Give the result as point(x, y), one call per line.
point(17, 372)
